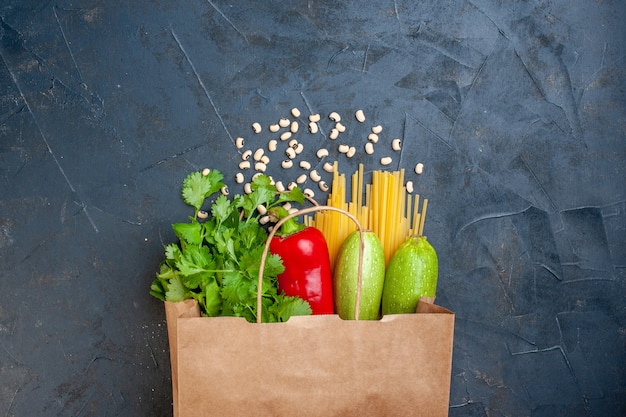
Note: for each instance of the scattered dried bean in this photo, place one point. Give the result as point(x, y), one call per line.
point(322, 153)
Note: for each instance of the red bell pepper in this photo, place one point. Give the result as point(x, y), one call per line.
point(307, 274)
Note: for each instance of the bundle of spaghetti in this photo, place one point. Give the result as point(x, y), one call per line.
point(388, 210)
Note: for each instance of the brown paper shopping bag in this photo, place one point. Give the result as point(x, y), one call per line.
point(311, 366)
point(322, 365)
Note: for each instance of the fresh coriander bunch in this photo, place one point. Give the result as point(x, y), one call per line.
point(217, 258)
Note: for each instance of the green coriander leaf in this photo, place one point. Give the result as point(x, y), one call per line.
point(221, 209)
point(166, 271)
point(251, 263)
point(293, 195)
point(212, 298)
point(189, 232)
point(235, 287)
point(251, 235)
point(176, 290)
point(172, 252)
point(223, 242)
point(263, 193)
point(157, 290)
point(273, 265)
point(196, 260)
point(197, 187)
point(285, 307)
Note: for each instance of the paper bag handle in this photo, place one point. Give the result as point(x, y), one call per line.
point(298, 213)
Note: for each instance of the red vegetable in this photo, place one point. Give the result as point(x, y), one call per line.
point(307, 274)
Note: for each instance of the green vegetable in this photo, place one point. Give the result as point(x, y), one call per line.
point(345, 277)
point(216, 261)
point(411, 274)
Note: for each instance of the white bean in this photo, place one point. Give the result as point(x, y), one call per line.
point(264, 220)
point(351, 152)
point(258, 154)
point(293, 143)
point(261, 209)
point(287, 163)
point(205, 172)
point(244, 164)
point(360, 116)
point(315, 118)
point(369, 148)
point(287, 205)
point(285, 135)
point(292, 210)
point(315, 176)
point(343, 148)
point(377, 129)
point(334, 134)
point(224, 190)
point(340, 128)
point(305, 165)
point(334, 116)
point(329, 167)
point(295, 126)
point(295, 112)
point(239, 178)
point(409, 187)
point(299, 149)
point(323, 186)
point(246, 155)
point(203, 214)
point(239, 142)
point(265, 159)
point(313, 127)
point(372, 137)
point(256, 127)
point(284, 122)
point(274, 128)
point(419, 168)
point(280, 187)
point(247, 188)
point(386, 160)
point(322, 153)
point(272, 145)
point(255, 176)
point(308, 192)
point(290, 187)
point(301, 179)
point(396, 144)
point(290, 152)
point(260, 166)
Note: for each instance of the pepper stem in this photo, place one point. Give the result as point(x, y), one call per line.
point(290, 226)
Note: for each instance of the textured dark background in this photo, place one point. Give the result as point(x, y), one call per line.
point(516, 108)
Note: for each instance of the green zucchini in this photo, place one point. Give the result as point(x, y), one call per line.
point(412, 273)
point(345, 277)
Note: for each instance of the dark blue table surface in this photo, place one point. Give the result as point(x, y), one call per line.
point(516, 109)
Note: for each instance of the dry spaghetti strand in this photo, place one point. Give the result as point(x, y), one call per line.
point(385, 207)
